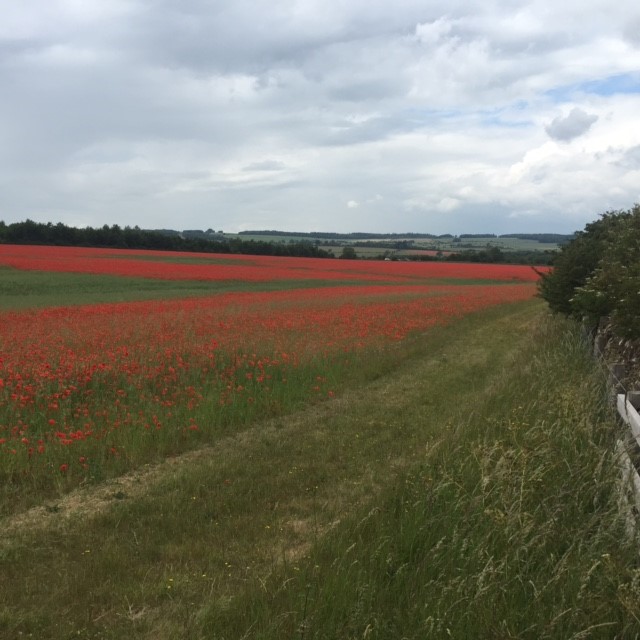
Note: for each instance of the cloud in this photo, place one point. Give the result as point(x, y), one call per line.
point(265, 165)
point(447, 204)
point(577, 123)
point(279, 113)
point(630, 158)
point(632, 30)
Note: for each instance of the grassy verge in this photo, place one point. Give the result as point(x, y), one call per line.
point(510, 527)
point(468, 492)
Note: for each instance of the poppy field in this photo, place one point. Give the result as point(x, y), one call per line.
point(240, 447)
point(91, 391)
point(168, 265)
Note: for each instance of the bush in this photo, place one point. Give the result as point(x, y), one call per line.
point(597, 273)
point(614, 286)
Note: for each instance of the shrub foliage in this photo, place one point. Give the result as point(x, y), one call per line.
point(597, 274)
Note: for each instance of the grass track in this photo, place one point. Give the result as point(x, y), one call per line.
point(206, 547)
point(21, 290)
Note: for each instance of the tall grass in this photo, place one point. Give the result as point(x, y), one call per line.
point(510, 527)
point(469, 491)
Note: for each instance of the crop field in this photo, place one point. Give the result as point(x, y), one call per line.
point(88, 391)
point(164, 265)
point(200, 446)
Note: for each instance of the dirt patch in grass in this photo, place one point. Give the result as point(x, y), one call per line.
point(88, 502)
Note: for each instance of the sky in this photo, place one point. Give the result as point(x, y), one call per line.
point(431, 116)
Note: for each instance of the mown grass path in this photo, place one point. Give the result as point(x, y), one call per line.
point(149, 555)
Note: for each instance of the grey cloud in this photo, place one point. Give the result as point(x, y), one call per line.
point(347, 132)
point(577, 123)
point(130, 108)
point(632, 31)
point(265, 165)
point(368, 89)
point(245, 35)
point(630, 158)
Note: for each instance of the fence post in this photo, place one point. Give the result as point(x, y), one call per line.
point(616, 376)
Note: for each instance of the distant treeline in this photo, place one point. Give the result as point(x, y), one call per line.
point(493, 255)
point(545, 238)
point(30, 232)
point(321, 235)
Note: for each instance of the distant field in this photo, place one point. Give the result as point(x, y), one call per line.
point(205, 267)
point(438, 244)
point(505, 244)
point(376, 252)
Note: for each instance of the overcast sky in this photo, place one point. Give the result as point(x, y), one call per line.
point(438, 116)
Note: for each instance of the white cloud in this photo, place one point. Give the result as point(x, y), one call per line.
point(419, 116)
point(448, 204)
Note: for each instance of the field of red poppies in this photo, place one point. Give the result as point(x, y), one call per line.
point(165, 265)
point(90, 391)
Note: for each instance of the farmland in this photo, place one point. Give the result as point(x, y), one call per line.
point(416, 242)
point(93, 390)
point(217, 427)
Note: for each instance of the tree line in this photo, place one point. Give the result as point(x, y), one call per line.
point(598, 273)
point(355, 235)
point(30, 232)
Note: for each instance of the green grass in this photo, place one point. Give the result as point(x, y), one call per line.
point(466, 490)
point(510, 527)
point(21, 290)
point(29, 289)
point(38, 289)
point(180, 259)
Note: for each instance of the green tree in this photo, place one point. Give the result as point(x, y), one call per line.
point(348, 253)
point(577, 262)
point(614, 286)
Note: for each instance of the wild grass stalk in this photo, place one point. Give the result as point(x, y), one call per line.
point(510, 526)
